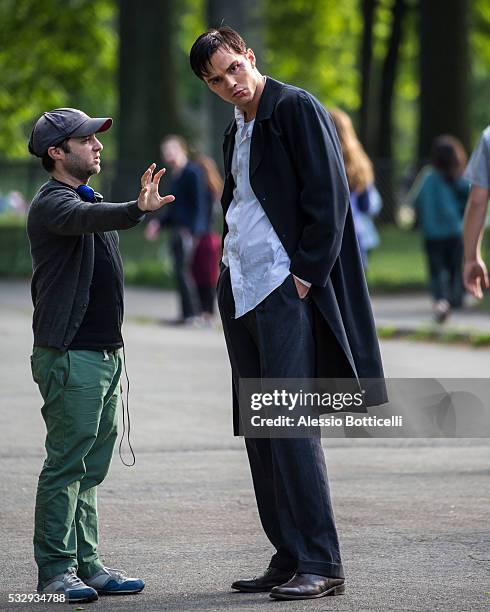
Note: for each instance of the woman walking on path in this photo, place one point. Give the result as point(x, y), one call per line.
point(439, 198)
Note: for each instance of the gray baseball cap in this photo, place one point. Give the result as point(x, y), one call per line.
point(55, 126)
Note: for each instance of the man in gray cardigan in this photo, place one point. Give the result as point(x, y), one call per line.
point(77, 292)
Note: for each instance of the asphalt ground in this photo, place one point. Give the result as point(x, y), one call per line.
point(413, 514)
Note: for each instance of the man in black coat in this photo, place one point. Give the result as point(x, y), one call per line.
point(292, 296)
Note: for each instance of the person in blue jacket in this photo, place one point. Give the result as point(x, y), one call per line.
point(186, 222)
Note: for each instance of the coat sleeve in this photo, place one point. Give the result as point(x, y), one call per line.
point(324, 197)
point(66, 215)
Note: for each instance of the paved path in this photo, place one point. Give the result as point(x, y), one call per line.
point(408, 311)
point(412, 514)
point(413, 311)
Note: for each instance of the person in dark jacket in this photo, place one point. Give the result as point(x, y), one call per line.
point(292, 296)
point(77, 292)
point(186, 221)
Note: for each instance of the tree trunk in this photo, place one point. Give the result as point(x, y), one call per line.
point(244, 17)
point(147, 92)
point(366, 56)
point(445, 72)
point(384, 152)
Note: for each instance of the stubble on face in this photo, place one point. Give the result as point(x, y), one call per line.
point(80, 162)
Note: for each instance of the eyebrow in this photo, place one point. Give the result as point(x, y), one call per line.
point(213, 76)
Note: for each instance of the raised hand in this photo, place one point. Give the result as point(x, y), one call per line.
point(149, 199)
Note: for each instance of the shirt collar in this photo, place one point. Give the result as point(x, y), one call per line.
point(239, 118)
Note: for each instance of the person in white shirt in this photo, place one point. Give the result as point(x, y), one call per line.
point(291, 293)
point(475, 274)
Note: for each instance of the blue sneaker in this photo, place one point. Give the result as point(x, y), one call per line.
point(109, 581)
point(69, 585)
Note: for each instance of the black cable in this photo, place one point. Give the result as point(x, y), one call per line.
point(125, 408)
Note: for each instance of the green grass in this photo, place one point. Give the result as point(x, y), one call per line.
point(398, 264)
point(482, 339)
point(435, 334)
point(387, 332)
point(145, 263)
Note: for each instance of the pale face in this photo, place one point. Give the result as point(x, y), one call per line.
point(83, 160)
point(234, 78)
point(173, 154)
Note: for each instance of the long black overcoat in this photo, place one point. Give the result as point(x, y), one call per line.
point(297, 174)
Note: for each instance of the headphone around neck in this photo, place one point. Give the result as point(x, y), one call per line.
point(86, 193)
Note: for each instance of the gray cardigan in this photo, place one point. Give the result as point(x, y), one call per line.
point(61, 228)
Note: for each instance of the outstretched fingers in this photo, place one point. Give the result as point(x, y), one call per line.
point(154, 186)
point(146, 178)
point(158, 176)
point(167, 199)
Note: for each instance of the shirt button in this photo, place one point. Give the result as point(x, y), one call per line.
point(85, 305)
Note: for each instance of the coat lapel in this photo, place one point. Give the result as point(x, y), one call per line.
point(228, 146)
point(264, 111)
point(256, 147)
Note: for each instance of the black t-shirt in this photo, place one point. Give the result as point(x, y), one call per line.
point(101, 325)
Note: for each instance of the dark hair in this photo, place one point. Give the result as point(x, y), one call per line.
point(48, 162)
point(209, 42)
point(448, 156)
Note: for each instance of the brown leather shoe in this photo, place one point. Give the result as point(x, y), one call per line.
point(270, 578)
point(308, 586)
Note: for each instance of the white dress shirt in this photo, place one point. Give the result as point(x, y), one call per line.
point(256, 258)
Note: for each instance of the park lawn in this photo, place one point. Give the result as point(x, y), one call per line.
point(398, 264)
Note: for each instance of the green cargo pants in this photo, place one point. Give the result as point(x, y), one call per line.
point(81, 393)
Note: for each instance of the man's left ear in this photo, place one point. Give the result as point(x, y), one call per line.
point(251, 57)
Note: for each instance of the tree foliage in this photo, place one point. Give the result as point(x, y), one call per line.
point(480, 57)
point(313, 44)
point(57, 53)
point(53, 54)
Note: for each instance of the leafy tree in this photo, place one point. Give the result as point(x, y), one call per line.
point(444, 71)
point(53, 55)
point(313, 44)
point(245, 17)
point(480, 63)
point(365, 62)
point(146, 85)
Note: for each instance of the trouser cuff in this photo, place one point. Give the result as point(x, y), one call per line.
point(48, 572)
point(330, 570)
point(87, 570)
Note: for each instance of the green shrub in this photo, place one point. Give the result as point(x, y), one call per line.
point(145, 263)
